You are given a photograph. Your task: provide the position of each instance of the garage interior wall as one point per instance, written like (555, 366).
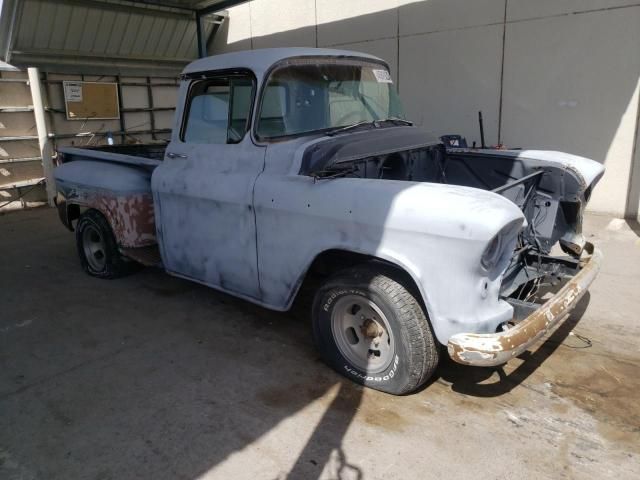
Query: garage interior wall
(557, 75)
(147, 108)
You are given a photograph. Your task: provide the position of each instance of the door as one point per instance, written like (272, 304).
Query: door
(203, 190)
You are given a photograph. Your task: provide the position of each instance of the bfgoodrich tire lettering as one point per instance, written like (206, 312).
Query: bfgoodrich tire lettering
(387, 304)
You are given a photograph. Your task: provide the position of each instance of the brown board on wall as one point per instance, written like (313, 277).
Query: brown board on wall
(91, 100)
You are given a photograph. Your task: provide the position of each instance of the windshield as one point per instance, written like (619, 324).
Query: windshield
(313, 95)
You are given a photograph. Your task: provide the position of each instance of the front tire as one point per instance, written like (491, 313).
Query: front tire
(369, 327)
(97, 247)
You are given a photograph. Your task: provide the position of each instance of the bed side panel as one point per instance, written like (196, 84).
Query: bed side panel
(121, 193)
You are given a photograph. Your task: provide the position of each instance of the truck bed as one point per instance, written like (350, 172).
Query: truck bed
(115, 180)
(141, 155)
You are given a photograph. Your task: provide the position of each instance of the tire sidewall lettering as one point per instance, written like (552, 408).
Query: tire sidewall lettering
(374, 378)
(338, 293)
(352, 372)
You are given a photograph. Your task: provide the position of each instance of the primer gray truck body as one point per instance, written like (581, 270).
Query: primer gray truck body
(252, 218)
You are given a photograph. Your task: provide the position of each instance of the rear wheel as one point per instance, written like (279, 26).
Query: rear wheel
(97, 248)
(369, 327)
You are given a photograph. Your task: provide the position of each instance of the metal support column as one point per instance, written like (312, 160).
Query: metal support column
(202, 42)
(123, 127)
(152, 115)
(43, 137)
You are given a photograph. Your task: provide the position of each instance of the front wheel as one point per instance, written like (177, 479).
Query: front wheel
(369, 327)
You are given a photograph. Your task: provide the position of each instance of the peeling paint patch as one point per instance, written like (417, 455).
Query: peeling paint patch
(131, 216)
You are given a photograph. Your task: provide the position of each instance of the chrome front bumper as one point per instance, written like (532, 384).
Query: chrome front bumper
(491, 349)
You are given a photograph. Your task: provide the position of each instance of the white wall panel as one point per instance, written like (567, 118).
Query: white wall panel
(274, 26)
(235, 33)
(633, 206)
(447, 77)
(571, 84)
(439, 15)
(341, 22)
(528, 9)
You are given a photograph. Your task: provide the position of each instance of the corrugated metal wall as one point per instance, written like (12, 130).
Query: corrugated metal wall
(147, 107)
(20, 164)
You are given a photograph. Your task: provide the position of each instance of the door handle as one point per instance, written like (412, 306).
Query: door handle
(176, 155)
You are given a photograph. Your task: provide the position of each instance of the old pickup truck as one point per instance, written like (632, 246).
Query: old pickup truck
(291, 164)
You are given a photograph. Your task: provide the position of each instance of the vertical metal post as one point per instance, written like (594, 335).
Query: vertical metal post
(43, 137)
(50, 117)
(152, 118)
(123, 129)
(202, 42)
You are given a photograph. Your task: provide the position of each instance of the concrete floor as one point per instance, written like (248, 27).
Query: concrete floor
(155, 377)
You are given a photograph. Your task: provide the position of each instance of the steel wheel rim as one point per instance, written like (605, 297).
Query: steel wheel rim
(362, 334)
(94, 248)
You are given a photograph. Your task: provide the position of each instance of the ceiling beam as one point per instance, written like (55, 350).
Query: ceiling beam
(222, 5)
(79, 57)
(131, 6)
(9, 14)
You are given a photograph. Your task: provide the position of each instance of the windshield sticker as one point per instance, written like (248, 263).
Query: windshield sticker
(382, 76)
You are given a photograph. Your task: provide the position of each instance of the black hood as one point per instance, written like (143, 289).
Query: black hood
(351, 146)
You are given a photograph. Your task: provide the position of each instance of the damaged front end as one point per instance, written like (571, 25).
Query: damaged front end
(551, 264)
(538, 316)
(540, 283)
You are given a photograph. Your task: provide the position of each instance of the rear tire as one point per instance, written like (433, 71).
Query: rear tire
(97, 247)
(369, 327)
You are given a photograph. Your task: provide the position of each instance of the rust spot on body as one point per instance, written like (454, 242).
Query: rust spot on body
(131, 216)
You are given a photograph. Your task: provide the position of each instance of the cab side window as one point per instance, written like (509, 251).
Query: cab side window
(218, 110)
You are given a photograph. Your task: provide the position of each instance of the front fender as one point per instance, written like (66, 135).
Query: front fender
(435, 233)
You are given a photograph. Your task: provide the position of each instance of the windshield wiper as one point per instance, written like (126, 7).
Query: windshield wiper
(335, 172)
(374, 123)
(399, 120)
(350, 127)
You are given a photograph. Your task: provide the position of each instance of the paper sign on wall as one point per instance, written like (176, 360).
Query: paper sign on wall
(91, 100)
(72, 92)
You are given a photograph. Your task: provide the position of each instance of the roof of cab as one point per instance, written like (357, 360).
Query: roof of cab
(261, 60)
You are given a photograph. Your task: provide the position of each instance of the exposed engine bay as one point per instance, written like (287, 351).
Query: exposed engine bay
(550, 191)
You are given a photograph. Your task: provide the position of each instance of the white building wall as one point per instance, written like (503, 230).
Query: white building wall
(556, 74)
(571, 83)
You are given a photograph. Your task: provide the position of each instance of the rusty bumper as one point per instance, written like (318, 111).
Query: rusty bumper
(491, 349)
